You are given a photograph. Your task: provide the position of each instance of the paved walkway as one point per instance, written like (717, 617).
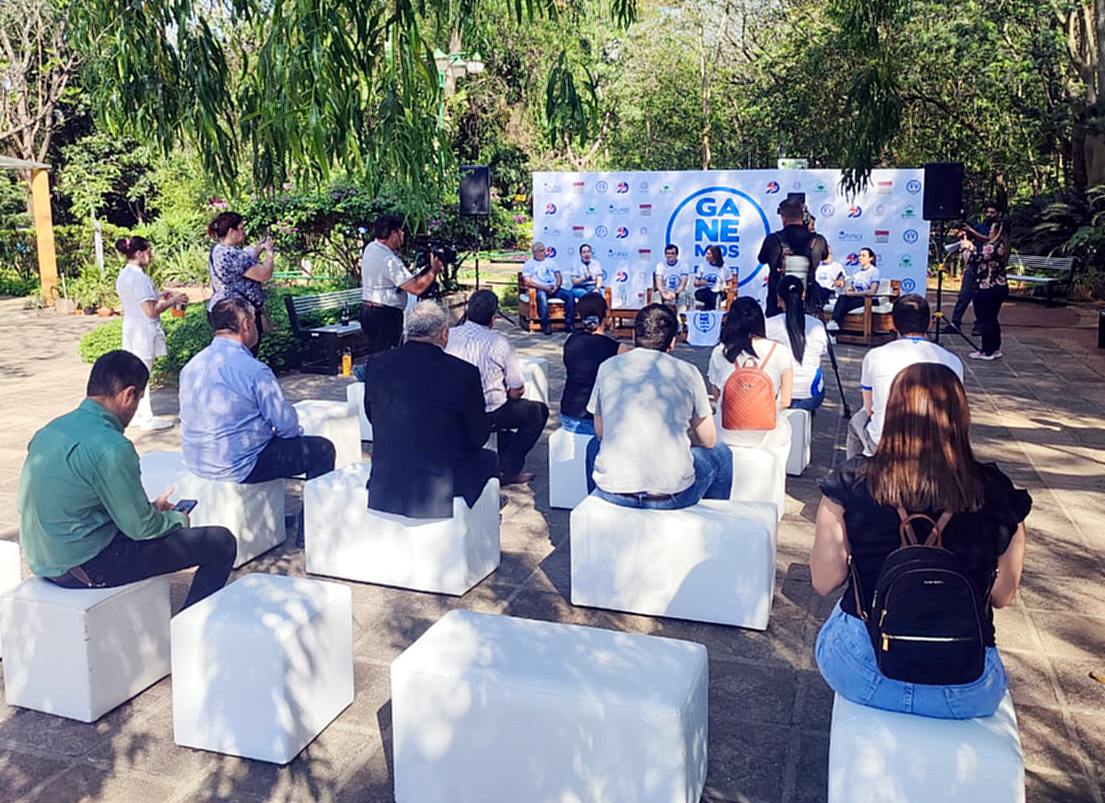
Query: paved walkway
(1040, 413)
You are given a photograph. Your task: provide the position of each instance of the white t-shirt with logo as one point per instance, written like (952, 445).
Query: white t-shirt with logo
(829, 272)
(671, 275)
(864, 280)
(542, 271)
(882, 364)
(714, 276)
(579, 270)
(807, 373)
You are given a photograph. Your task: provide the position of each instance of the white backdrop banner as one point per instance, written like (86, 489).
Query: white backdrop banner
(627, 218)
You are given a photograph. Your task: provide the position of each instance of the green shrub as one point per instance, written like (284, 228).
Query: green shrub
(106, 337)
(17, 283)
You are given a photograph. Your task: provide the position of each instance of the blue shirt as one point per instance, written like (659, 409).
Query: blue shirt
(231, 406)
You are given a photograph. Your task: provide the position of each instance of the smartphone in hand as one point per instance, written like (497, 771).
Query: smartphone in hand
(185, 506)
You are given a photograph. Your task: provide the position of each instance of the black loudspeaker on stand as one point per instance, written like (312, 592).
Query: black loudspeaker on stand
(475, 200)
(943, 201)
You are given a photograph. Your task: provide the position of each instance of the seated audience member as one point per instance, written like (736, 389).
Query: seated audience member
(880, 366)
(584, 352)
(670, 279)
(864, 283)
(744, 342)
(657, 446)
(712, 279)
(84, 519)
(235, 424)
(587, 276)
(808, 341)
(924, 464)
(542, 276)
(829, 277)
(518, 422)
(429, 425)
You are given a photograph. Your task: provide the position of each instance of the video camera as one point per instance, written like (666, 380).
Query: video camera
(447, 253)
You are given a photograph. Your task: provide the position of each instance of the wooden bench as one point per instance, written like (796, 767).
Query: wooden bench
(873, 324)
(528, 319)
(326, 344)
(1050, 271)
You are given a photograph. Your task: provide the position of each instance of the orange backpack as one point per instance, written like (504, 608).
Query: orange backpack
(748, 401)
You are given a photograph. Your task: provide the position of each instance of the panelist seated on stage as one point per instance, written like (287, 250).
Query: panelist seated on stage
(541, 275)
(429, 424)
(235, 424)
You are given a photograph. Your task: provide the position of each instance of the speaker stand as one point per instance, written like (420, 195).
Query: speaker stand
(942, 268)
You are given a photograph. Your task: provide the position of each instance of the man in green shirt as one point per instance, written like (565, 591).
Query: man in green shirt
(85, 521)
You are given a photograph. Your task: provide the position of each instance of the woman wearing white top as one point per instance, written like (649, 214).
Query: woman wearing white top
(142, 308)
(864, 283)
(808, 342)
(744, 336)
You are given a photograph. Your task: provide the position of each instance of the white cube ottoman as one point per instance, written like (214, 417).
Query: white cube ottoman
(567, 468)
(535, 370)
(336, 422)
(760, 472)
(490, 708)
(801, 438)
(882, 757)
(11, 571)
(712, 562)
(253, 513)
(78, 653)
(354, 397)
(262, 666)
(445, 556)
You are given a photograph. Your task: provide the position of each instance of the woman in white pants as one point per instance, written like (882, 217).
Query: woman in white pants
(142, 308)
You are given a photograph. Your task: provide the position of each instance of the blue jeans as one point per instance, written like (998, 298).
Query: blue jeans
(579, 291)
(713, 479)
(565, 295)
(814, 401)
(578, 426)
(847, 662)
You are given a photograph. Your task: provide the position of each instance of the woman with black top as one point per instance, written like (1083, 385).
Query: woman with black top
(989, 261)
(584, 352)
(924, 464)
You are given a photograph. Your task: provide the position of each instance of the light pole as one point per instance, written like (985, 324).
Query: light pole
(450, 67)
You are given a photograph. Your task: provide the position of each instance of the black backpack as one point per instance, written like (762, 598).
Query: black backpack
(924, 618)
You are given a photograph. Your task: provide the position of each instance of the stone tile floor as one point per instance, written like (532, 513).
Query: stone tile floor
(1040, 413)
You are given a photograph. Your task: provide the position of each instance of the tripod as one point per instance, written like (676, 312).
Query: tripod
(839, 384)
(938, 316)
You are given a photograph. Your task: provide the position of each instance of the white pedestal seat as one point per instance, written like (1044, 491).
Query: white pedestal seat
(567, 468)
(11, 571)
(535, 370)
(354, 397)
(336, 422)
(760, 471)
(801, 437)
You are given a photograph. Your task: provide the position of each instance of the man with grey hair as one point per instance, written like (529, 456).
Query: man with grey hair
(429, 424)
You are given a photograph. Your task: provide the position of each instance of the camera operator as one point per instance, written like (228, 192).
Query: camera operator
(385, 282)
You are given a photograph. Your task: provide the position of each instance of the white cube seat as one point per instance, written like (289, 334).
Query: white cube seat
(801, 437)
(80, 652)
(535, 370)
(495, 709)
(262, 666)
(567, 468)
(523, 298)
(253, 513)
(11, 571)
(336, 422)
(354, 397)
(445, 556)
(880, 756)
(711, 562)
(760, 470)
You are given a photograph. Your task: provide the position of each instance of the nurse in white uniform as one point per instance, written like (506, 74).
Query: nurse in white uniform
(142, 308)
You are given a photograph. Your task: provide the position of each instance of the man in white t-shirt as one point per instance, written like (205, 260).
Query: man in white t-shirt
(541, 275)
(656, 444)
(882, 365)
(587, 276)
(830, 276)
(671, 277)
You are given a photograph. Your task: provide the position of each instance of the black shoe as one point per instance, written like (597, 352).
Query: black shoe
(952, 326)
(546, 330)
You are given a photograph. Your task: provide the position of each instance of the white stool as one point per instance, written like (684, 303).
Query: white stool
(760, 472)
(490, 708)
(80, 652)
(883, 757)
(444, 556)
(336, 422)
(567, 468)
(354, 397)
(261, 667)
(712, 562)
(801, 436)
(11, 570)
(253, 513)
(535, 370)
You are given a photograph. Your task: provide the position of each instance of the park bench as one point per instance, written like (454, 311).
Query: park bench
(1053, 272)
(326, 344)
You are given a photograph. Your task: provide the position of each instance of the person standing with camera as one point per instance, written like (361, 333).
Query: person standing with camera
(385, 282)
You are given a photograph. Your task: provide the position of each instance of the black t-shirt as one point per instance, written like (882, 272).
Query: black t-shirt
(976, 538)
(583, 354)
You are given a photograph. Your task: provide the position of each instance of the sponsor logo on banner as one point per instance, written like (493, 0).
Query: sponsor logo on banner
(849, 237)
(851, 260)
(880, 210)
(601, 186)
(884, 187)
(577, 231)
(821, 187)
(827, 210)
(591, 210)
(909, 213)
(910, 236)
(614, 253)
(644, 254)
(913, 186)
(882, 235)
(601, 231)
(643, 231)
(548, 186)
(622, 188)
(645, 210)
(621, 233)
(642, 187)
(571, 208)
(550, 251)
(579, 185)
(908, 285)
(550, 231)
(796, 185)
(621, 277)
(665, 189)
(550, 209)
(618, 210)
(855, 212)
(906, 261)
(772, 187)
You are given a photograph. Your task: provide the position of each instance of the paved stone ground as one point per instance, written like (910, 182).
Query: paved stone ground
(1040, 413)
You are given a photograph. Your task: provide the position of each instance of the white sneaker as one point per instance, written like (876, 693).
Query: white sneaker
(978, 355)
(832, 326)
(155, 424)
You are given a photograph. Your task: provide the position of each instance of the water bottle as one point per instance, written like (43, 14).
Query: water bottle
(345, 315)
(346, 362)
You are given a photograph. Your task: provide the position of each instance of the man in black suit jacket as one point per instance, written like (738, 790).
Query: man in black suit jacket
(428, 422)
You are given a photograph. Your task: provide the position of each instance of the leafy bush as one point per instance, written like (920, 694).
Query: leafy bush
(17, 283)
(106, 337)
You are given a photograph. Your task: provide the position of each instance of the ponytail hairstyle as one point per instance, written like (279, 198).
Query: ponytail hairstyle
(745, 321)
(790, 291)
(130, 247)
(591, 310)
(222, 223)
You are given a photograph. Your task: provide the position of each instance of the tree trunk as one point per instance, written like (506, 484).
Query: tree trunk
(705, 67)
